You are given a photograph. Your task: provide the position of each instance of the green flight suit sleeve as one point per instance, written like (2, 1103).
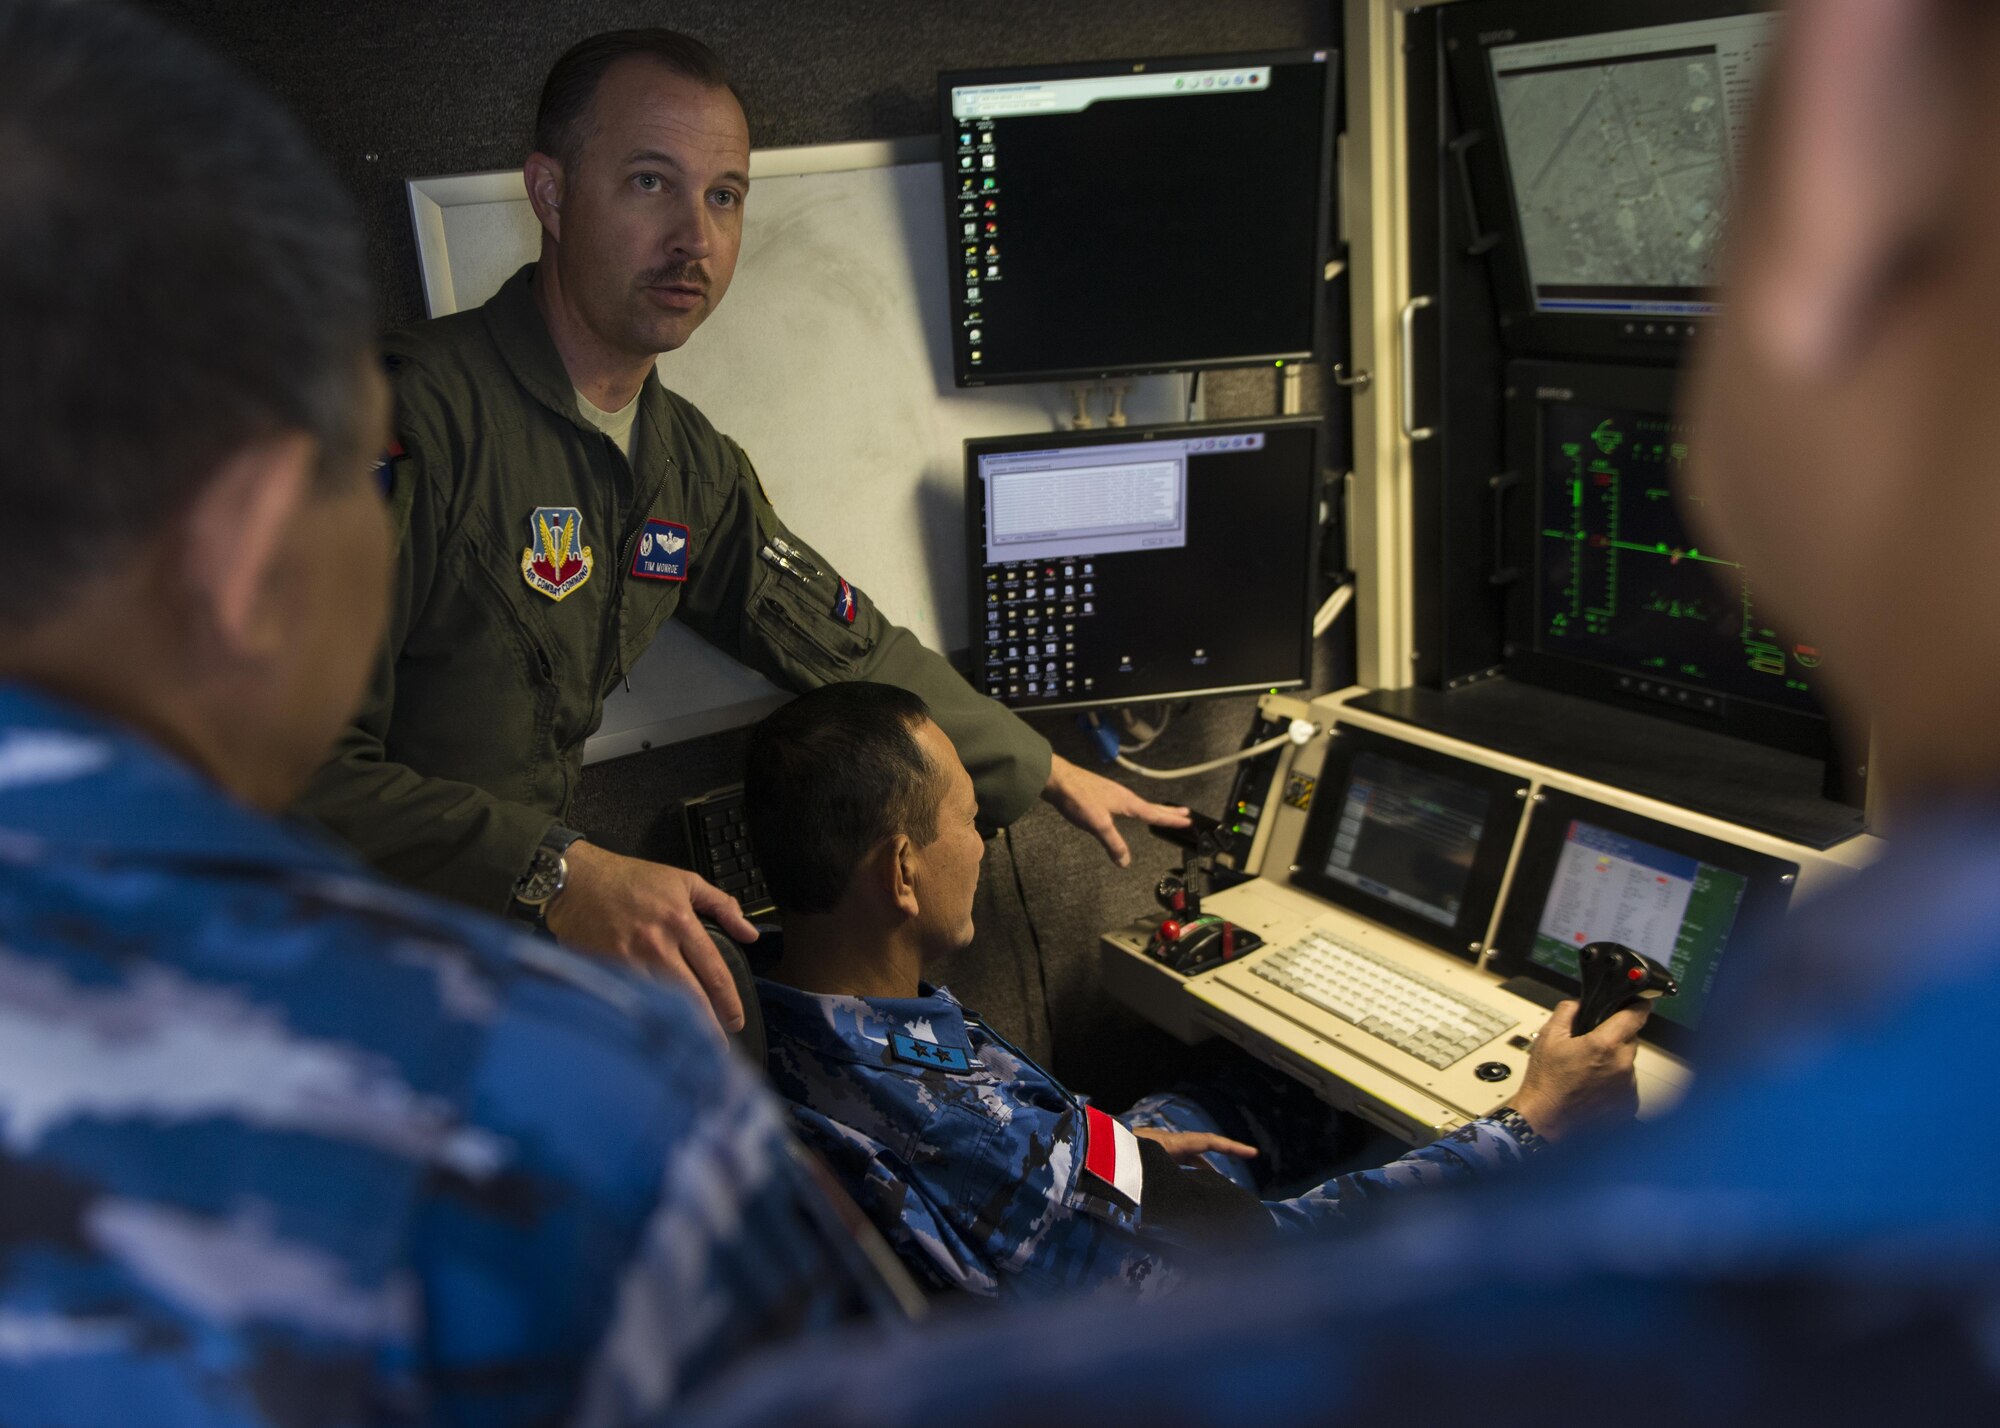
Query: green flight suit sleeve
(450, 838)
(792, 629)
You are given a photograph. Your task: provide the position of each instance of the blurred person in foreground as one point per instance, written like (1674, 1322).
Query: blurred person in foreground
(280, 1144)
(1815, 1236)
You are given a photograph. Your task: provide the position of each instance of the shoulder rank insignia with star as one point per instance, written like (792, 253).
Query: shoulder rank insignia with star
(928, 1054)
(556, 562)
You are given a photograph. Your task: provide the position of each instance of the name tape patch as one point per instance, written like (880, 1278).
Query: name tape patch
(664, 547)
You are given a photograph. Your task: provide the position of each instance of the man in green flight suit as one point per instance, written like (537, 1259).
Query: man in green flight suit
(557, 505)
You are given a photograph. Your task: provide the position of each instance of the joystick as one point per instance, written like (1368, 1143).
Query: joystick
(1614, 976)
(1190, 941)
(1200, 943)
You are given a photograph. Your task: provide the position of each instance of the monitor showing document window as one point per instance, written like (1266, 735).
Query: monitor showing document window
(1143, 562)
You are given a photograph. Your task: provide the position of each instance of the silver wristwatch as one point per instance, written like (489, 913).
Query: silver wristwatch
(1516, 1125)
(547, 875)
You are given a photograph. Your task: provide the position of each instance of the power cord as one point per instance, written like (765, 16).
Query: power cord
(1330, 610)
(1300, 733)
(1034, 934)
(1145, 732)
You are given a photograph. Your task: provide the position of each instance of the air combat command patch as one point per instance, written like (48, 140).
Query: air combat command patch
(556, 562)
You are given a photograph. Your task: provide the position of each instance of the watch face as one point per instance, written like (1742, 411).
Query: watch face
(544, 879)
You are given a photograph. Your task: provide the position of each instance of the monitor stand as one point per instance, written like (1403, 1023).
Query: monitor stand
(1774, 792)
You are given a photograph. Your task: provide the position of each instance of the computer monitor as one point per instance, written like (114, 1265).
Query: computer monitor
(1142, 563)
(1619, 600)
(1589, 872)
(1605, 160)
(1139, 215)
(1410, 838)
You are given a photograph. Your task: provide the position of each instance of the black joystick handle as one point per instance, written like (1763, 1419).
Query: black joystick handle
(1614, 976)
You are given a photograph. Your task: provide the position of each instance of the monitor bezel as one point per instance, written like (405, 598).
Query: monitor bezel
(1530, 386)
(1470, 31)
(1464, 938)
(975, 545)
(1767, 893)
(962, 374)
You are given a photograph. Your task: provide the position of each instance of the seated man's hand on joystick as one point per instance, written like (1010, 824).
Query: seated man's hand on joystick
(1614, 976)
(1579, 1079)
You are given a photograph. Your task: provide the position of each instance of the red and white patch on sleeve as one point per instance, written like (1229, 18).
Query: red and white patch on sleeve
(1111, 1153)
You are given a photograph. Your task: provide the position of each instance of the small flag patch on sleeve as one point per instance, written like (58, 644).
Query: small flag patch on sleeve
(1111, 1154)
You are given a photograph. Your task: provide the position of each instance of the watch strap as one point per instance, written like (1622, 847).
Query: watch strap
(1516, 1125)
(553, 847)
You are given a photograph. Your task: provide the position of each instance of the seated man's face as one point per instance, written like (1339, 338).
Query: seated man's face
(947, 868)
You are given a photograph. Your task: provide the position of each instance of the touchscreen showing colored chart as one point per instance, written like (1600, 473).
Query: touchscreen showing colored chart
(1677, 910)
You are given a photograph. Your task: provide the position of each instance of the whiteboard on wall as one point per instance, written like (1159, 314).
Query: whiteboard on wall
(829, 362)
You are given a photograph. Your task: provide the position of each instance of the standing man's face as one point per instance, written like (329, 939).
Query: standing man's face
(649, 215)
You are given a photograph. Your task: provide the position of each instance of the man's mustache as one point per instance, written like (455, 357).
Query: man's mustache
(679, 275)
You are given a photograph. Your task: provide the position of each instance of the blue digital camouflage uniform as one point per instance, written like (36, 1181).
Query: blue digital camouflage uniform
(976, 1175)
(280, 1145)
(1812, 1238)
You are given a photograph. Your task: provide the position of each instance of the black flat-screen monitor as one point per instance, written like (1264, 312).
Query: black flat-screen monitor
(1589, 872)
(1143, 562)
(1137, 216)
(1618, 600)
(1602, 148)
(1410, 838)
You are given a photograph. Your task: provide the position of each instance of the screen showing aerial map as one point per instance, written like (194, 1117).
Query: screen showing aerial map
(1622, 150)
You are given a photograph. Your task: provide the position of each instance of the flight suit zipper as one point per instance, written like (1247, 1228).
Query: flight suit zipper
(628, 549)
(502, 596)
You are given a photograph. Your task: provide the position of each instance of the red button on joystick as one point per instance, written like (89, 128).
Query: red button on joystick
(1635, 974)
(1170, 931)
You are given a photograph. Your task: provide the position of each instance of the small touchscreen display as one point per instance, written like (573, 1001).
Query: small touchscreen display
(1676, 909)
(1408, 837)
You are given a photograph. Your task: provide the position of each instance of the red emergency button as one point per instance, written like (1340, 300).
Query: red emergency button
(1170, 931)
(1635, 974)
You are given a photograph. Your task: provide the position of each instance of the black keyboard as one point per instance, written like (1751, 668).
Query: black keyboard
(719, 848)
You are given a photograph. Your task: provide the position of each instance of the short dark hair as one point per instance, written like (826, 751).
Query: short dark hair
(180, 276)
(830, 776)
(561, 117)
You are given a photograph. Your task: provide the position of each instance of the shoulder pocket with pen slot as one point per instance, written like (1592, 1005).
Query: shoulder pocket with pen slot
(799, 616)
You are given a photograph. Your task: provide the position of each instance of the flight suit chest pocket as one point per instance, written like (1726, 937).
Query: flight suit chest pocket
(816, 619)
(662, 556)
(510, 624)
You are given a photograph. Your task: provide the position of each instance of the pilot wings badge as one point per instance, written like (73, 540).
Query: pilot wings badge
(556, 562)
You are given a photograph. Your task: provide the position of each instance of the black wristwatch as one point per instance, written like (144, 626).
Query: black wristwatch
(547, 875)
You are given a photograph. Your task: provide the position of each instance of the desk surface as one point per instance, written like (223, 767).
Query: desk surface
(1323, 1054)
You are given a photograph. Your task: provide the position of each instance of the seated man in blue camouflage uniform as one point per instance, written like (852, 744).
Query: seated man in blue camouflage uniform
(280, 1144)
(986, 1173)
